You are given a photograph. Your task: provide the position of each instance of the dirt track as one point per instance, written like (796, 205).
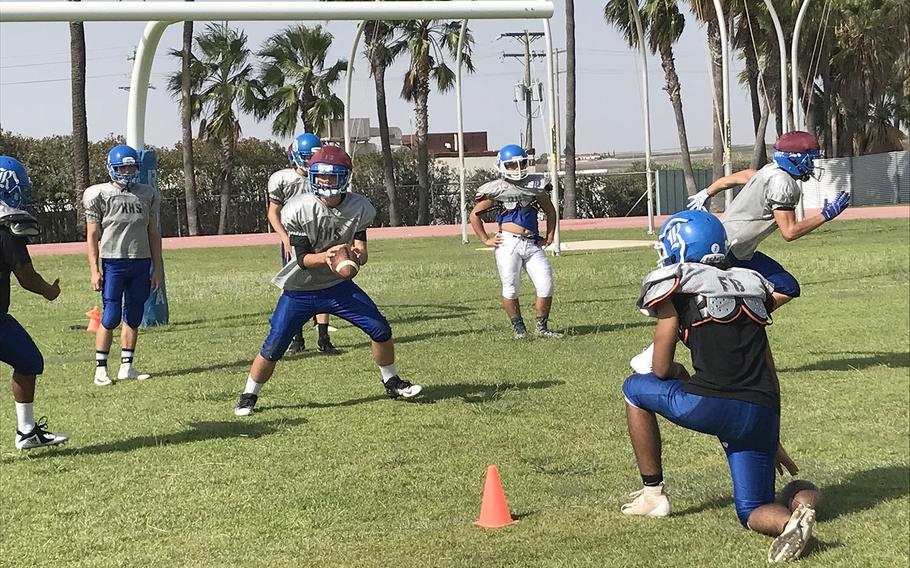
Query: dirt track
(218, 241)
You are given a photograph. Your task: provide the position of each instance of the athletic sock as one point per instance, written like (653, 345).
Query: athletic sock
(126, 356)
(652, 480)
(388, 371)
(25, 417)
(252, 387)
(101, 358)
(323, 330)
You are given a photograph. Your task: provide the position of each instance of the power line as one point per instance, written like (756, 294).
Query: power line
(59, 80)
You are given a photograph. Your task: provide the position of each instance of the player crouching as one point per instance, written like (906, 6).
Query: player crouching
(319, 225)
(720, 314)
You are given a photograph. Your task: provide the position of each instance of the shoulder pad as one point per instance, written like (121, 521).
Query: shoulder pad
(19, 222)
(657, 286)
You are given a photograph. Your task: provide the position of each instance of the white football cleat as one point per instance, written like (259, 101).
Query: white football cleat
(130, 373)
(648, 502)
(643, 362)
(101, 378)
(791, 543)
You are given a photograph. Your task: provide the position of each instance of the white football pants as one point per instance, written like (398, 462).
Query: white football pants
(516, 252)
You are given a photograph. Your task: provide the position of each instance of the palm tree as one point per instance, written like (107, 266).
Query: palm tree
(295, 81)
(80, 122)
(225, 86)
(427, 42)
(186, 121)
(376, 35)
(663, 24)
(704, 12)
(569, 208)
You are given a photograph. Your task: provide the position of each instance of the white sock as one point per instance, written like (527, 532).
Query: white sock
(388, 371)
(126, 357)
(25, 417)
(252, 387)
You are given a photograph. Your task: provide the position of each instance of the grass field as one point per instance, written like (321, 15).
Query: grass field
(329, 472)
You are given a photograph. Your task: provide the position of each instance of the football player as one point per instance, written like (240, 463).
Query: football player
(122, 231)
(16, 346)
(283, 185)
(767, 201)
(720, 314)
(319, 223)
(517, 197)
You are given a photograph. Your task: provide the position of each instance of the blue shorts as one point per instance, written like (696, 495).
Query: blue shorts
(17, 348)
(127, 285)
(748, 432)
(345, 300)
(784, 282)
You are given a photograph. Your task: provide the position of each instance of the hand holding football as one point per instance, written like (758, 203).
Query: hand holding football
(343, 263)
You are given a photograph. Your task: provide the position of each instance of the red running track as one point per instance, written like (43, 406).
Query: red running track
(219, 241)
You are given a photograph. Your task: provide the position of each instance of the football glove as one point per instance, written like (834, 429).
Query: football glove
(698, 200)
(832, 209)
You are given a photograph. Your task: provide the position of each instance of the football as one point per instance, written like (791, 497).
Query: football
(343, 263)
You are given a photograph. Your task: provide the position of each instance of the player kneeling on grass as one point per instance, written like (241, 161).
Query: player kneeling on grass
(122, 230)
(321, 225)
(16, 346)
(516, 198)
(720, 314)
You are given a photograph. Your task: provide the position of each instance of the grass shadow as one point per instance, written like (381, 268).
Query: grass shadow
(238, 365)
(605, 328)
(720, 502)
(895, 360)
(479, 393)
(197, 432)
(864, 490)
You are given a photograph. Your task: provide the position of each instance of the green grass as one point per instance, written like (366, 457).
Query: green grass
(330, 473)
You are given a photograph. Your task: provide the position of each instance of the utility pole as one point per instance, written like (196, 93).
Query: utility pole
(526, 38)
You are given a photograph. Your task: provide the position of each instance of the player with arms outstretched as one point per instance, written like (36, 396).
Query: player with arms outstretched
(767, 201)
(283, 185)
(17, 349)
(122, 231)
(517, 197)
(720, 314)
(319, 224)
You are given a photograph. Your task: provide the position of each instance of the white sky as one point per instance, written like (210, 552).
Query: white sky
(35, 88)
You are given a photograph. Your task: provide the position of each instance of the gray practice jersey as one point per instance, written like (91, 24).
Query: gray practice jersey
(750, 218)
(124, 217)
(285, 184)
(516, 199)
(307, 216)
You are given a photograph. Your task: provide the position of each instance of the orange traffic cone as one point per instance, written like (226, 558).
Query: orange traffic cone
(494, 511)
(94, 319)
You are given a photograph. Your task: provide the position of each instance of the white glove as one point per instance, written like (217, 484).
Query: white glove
(698, 200)
(642, 362)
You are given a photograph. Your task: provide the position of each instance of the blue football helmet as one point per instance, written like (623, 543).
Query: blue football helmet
(120, 157)
(15, 186)
(302, 149)
(692, 236)
(795, 153)
(332, 166)
(512, 162)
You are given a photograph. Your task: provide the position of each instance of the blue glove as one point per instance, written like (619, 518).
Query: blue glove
(832, 209)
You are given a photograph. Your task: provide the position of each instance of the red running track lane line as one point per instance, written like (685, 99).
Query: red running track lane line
(254, 239)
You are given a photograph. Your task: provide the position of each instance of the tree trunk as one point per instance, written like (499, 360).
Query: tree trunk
(227, 178)
(674, 91)
(186, 118)
(80, 123)
(759, 109)
(717, 80)
(759, 150)
(388, 164)
(569, 207)
(422, 120)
